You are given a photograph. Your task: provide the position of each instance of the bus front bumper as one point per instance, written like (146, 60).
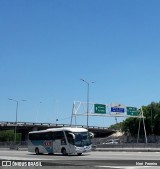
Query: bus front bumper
(83, 149)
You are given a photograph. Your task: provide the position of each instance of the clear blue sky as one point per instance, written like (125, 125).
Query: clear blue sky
(47, 46)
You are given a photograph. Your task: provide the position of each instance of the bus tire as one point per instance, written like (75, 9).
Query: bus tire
(64, 152)
(37, 151)
(79, 154)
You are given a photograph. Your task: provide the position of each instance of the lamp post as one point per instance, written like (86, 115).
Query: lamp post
(15, 131)
(88, 85)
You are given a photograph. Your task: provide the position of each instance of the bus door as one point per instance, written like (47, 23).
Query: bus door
(70, 138)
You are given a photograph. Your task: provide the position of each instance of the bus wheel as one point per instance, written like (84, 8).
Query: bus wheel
(37, 151)
(79, 154)
(64, 152)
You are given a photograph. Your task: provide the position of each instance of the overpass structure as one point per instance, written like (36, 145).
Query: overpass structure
(25, 127)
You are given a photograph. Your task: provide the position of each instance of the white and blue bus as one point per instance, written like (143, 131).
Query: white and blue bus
(66, 140)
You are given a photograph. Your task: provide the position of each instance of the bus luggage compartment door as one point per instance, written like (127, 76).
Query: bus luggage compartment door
(57, 146)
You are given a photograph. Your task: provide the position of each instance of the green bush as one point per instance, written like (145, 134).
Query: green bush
(8, 135)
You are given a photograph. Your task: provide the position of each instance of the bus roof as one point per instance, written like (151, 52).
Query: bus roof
(71, 129)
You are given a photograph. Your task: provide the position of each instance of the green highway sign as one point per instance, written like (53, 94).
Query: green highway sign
(100, 108)
(132, 111)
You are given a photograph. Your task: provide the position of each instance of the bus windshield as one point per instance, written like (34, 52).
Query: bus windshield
(82, 139)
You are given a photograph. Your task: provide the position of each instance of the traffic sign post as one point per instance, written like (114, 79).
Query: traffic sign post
(132, 111)
(113, 110)
(100, 108)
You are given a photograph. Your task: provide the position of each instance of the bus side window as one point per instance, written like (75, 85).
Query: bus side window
(48, 136)
(59, 135)
(53, 136)
(41, 136)
(31, 137)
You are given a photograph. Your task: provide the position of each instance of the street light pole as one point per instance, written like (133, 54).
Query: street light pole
(88, 85)
(15, 131)
(87, 102)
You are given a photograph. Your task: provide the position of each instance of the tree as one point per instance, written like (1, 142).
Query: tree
(152, 121)
(8, 135)
(117, 126)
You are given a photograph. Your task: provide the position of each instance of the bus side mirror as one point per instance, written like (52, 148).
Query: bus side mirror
(91, 135)
(73, 136)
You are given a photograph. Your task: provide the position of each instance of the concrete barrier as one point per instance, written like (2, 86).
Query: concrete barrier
(128, 149)
(129, 145)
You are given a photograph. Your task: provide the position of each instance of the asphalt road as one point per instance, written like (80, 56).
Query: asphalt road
(119, 160)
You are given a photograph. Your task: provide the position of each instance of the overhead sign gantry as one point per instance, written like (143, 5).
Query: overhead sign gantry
(106, 110)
